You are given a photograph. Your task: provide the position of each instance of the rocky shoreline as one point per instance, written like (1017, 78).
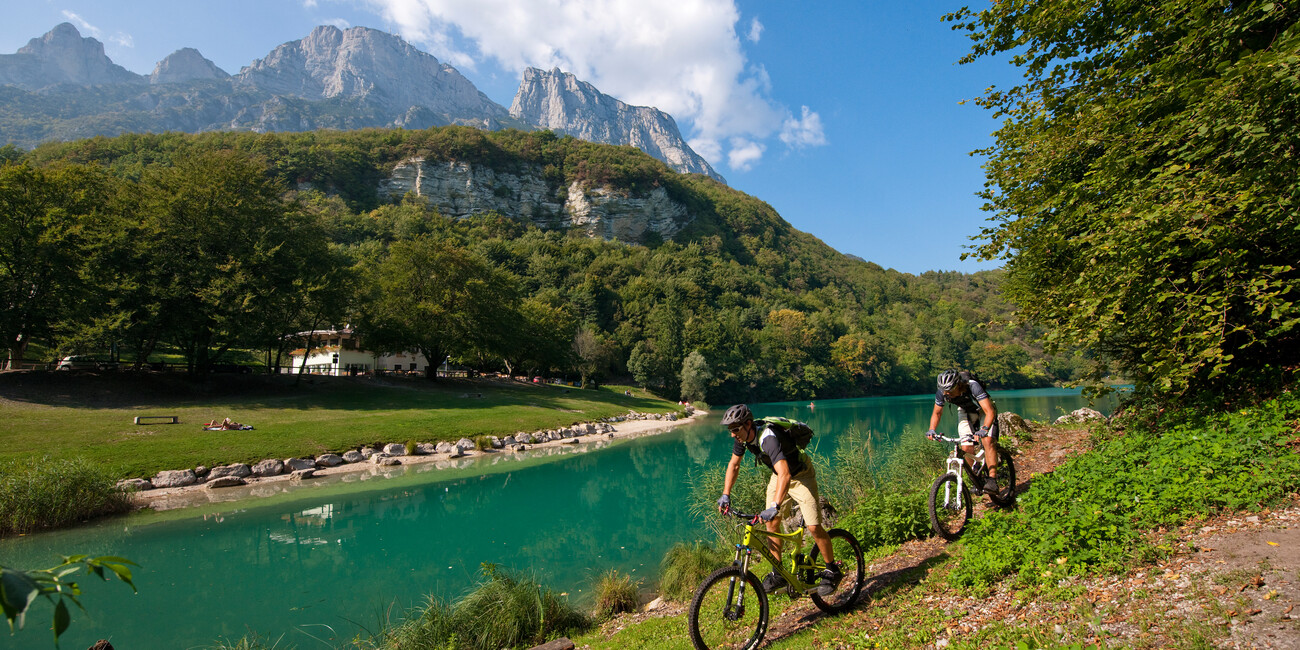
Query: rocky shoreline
(170, 489)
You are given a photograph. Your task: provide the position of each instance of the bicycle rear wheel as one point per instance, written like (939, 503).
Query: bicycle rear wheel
(849, 554)
(729, 610)
(1006, 478)
(950, 507)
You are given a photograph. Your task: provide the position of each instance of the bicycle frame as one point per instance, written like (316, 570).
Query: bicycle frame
(755, 539)
(956, 462)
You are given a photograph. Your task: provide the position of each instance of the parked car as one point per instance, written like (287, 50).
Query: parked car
(78, 362)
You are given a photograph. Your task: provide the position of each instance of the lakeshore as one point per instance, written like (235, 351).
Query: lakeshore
(172, 498)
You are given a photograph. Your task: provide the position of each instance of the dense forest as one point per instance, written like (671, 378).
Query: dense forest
(214, 243)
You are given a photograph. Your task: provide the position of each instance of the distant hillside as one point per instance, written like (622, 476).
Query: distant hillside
(774, 312)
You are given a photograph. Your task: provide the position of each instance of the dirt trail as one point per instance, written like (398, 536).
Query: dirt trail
(1233, 581)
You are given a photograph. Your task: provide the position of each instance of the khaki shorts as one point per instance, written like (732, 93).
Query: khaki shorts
(968, 423)
(803, 491)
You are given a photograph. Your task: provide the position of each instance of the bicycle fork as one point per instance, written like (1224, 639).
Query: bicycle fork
(954, 468)
(735, 607)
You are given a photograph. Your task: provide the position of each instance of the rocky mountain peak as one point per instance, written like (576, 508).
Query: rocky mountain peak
(559, 101)
(367, 64)
(185, 64)
(62, 56)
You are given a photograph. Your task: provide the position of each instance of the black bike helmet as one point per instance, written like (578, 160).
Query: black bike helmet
(738, 414)
(947, 379)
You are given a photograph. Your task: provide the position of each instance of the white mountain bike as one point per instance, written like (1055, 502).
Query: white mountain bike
(950, 494)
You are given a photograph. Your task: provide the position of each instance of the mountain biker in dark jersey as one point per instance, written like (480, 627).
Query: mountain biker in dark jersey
(977, 418)
(793, 481)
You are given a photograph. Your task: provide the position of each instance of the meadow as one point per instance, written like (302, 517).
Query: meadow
(91, 415)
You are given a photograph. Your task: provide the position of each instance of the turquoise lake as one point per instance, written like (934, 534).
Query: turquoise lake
(323, 562)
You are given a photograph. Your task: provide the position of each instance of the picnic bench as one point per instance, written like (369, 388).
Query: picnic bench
(157, 419)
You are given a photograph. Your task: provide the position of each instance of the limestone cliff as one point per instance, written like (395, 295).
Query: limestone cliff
(559, 101)
(366, 65)
(185, 64)
(459, 189)
(62, 56)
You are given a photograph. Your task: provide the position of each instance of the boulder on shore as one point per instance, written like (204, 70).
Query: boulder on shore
(224, 481)
(1078, 416)
(268, 467)
(174, 478)
(239, 470)
(134, 485)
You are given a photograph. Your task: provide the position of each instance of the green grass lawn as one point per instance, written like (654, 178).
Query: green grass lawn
(90, 415)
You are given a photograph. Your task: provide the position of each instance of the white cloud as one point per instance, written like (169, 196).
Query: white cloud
(81, 23)
(681, 56)
(338, 22)
(709, 148)
(308, 4)
(744, 153)
(123, 39)
(803, 132)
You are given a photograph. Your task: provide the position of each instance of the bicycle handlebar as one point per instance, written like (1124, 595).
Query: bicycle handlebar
(732, 512)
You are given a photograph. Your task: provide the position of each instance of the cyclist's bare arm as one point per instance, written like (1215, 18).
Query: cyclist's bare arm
(935, 416)
(782, 481)
(733, 470)
(990, 412)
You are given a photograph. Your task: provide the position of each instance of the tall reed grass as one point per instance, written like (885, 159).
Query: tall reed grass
(504, 611)
(51, 493)
(686, 565)
(616, 593)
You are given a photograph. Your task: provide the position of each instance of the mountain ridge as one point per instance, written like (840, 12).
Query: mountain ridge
(62, 86)
(559, 101)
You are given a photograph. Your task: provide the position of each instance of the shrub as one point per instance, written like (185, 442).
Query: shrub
(511, 612)
(616, 593)
(884, 486)
(686, 565)
(433, 628)
(504, 611)
(411, 447)
(889, 517)
(483, 443)
(1090, 514)
(52, 493)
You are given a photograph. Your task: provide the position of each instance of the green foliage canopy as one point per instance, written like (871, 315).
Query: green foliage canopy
(774, 313)
(1144, 183)
(436, 297)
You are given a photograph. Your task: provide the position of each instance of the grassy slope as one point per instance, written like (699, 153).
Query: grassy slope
(67, 415)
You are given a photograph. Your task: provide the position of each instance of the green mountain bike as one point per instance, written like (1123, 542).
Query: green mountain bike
(729, 609)
(950, 495)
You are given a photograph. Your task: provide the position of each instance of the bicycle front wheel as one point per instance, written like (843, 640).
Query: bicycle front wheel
(1006, 478)
(950, 507)
(849, 554)
(729, 610)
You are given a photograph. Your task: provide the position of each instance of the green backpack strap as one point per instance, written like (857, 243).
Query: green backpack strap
(800, 433)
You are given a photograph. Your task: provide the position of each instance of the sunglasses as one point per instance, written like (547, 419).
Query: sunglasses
(736, 429)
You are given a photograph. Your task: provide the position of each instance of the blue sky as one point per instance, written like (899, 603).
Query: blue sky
(845, 116)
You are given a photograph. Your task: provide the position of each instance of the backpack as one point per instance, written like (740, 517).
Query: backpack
(971, 375)
(798, 432)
